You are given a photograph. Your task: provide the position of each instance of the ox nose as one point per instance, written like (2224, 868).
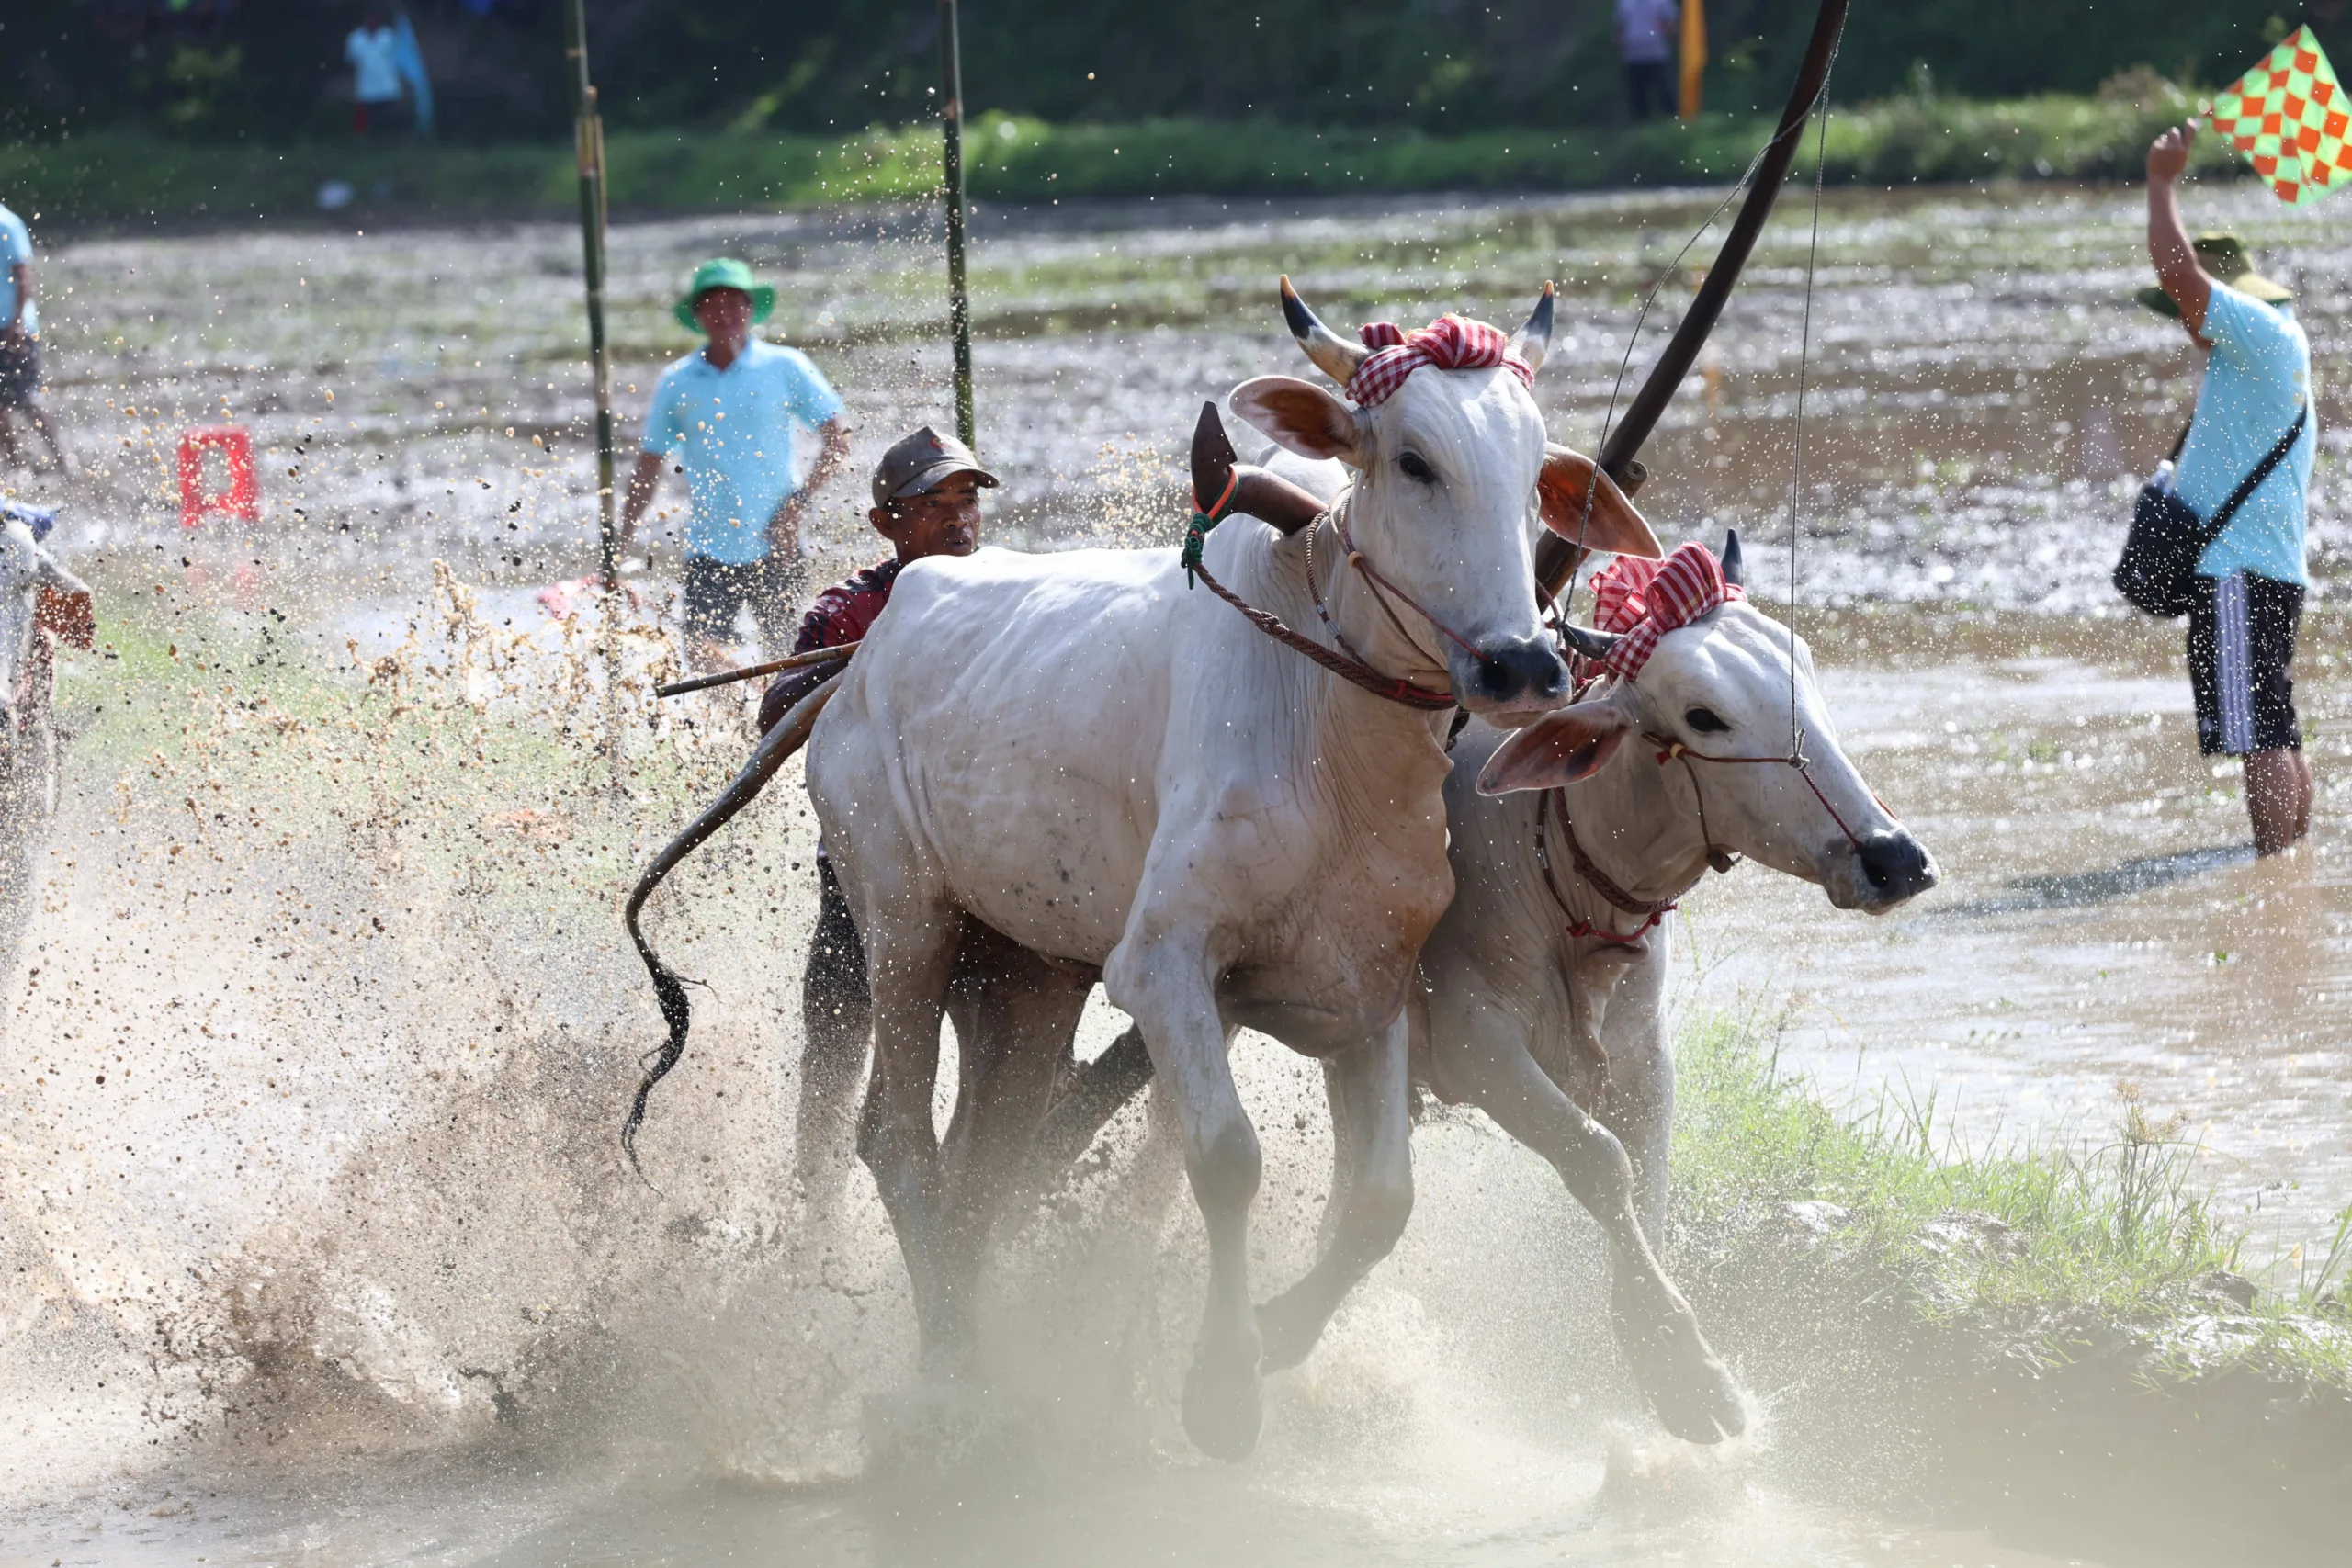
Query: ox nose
(1521, 671)
(1896, 866)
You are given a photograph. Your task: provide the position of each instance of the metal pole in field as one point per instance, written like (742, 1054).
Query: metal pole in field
(959, 303)
(588, 144)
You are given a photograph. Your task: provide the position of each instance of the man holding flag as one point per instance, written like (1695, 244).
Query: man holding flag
(2256, 397)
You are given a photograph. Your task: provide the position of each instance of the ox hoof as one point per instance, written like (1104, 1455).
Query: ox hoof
(1685, 1381)
(941, 1427)
(1221, 1410)
(1289, 1330)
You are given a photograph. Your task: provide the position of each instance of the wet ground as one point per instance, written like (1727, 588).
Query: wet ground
(1975, 395)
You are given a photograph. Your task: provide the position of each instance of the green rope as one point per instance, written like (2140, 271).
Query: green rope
(1195, 536)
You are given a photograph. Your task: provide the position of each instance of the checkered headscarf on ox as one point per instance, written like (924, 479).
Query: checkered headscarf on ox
(1643, 600)
(1450, 342)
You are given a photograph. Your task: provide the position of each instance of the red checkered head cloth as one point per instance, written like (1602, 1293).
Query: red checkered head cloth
(1450, 342)
(1643, 600)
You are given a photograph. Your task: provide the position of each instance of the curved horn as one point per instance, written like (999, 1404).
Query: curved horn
(1533, 341)
(1333, 355)
(1593, 645)
(1734, 572)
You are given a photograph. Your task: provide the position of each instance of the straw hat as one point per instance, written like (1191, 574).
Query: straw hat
(2224, 260)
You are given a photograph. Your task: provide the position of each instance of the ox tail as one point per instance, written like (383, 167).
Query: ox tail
(774, 749)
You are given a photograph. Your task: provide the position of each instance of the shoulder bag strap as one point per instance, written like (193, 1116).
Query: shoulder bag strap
(2253, 481)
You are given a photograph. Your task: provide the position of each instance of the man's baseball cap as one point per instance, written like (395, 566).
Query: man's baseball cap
(2224, 260)
(920, 462)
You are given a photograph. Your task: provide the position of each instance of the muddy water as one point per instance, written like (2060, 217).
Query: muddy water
(357, 1038)
(2103, 933)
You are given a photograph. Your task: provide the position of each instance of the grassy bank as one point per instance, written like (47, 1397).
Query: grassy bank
(2055, 1341)
(2104, 1220)
(120, 176)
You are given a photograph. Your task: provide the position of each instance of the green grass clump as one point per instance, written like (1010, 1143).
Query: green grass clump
(2111, 1224)
(126, 174)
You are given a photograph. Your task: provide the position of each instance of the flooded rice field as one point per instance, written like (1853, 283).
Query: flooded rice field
(315, 1246)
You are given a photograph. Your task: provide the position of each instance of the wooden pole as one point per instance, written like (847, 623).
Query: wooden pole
(588, 147)
(588, 144)
(1555, 557)
(1694, 58)
(951, 118)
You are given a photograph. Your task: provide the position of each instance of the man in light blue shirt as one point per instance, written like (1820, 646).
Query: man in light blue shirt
(2250, 580)
(20, 346)
(373, 52)
(729, 417)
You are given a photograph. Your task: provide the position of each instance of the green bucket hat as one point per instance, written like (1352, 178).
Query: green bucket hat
(2224, 260)
(723, 272)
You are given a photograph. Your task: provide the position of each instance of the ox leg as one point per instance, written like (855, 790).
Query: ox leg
(1372, 1191)
(910, 955)
(1014, 1016)
(1171, 994)
(836, 1024)
(1686, 1383)
(1639, 1105)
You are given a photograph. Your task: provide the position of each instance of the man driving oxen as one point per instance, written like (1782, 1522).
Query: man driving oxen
(926, 502)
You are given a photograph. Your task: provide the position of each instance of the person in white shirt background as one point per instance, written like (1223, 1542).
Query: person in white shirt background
(1645, 36)
(373, 52)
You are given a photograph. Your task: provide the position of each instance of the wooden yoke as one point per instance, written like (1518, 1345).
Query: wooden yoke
(1555, 558)
(1269, 498)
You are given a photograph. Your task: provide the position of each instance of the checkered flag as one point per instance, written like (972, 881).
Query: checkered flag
(2288, 117)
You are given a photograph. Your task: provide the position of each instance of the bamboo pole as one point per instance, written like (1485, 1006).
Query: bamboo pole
(838, 654)
(588, 147)
(951, 118)
(588, 144)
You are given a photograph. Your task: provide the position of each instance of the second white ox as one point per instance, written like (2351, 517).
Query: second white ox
(1077, 755)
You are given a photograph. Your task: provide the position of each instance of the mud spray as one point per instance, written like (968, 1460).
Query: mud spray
(316, 1243)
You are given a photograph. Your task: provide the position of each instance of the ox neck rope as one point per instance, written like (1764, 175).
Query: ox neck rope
(1649, 912)
(1342, 662)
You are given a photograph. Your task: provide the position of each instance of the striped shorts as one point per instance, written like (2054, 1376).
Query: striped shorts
(2241, 657)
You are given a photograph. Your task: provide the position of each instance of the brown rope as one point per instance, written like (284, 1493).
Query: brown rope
(1394, 689)
(1649, 910)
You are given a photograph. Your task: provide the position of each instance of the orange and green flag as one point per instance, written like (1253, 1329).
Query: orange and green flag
(2288, 117)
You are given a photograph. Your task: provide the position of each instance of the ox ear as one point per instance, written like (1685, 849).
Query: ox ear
(1615, 526)
(1572, 743)
(1300, 416)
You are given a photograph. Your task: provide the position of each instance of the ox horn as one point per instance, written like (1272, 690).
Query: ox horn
(1593, 645)
(1533, 341)
(1333, 355)
(1734, 572)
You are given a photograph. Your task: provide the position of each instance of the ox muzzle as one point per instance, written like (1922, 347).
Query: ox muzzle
(1523, 676)
(1879, 870)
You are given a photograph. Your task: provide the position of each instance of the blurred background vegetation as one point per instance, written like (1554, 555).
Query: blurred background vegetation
(271, 70)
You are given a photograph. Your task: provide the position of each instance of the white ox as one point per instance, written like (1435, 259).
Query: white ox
(1538, 1023)
(1542, 997)
(1081, 764)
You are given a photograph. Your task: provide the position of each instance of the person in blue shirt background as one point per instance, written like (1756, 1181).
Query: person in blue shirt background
(2251, 579)
(373, 52)
(20, 346)
(728, 416)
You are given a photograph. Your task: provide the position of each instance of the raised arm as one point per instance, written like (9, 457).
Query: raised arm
(2169, 247)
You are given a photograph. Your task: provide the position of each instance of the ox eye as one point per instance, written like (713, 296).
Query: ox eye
(1415, 468)
(1705, 721)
